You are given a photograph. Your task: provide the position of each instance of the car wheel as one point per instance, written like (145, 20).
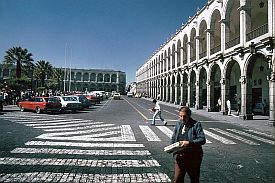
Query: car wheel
(38, 110)
(21, 108)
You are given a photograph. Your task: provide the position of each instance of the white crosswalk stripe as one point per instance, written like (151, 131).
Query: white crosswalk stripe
(104, 152)
(219, 138)
(253, 136)
(235, 136)
(166, 131)
(149, 134)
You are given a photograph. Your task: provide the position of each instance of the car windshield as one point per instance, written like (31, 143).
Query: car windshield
(69, 98)
(51, 100)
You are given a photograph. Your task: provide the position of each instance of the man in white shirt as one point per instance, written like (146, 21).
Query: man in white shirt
(157, 112)
(228, 103)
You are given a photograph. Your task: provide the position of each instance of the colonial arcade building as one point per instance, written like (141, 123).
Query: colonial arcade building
(225, 50)
(95, 79)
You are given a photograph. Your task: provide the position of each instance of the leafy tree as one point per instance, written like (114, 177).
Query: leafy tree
(58, 75)
(18, 56)
(42, 70)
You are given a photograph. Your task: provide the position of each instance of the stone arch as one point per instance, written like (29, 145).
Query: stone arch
(232, 83)
(184, 49)
(202, 88)
(179, 53)
(202, 39)
(86, 76)
(185, 88)
(257, 86)
(99, 77)
(173, 56)
(215, 32)
(256, 18)
(192, 88)
(107, 78)
(215, 86)
(232, 24)
(113, 78)
(193, 44)
(93, 77)
(78, 76)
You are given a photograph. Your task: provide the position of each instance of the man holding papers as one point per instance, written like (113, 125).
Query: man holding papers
(189, 136)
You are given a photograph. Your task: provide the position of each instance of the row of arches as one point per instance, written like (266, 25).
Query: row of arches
(231, 80)
(218, 27)
(93, 77)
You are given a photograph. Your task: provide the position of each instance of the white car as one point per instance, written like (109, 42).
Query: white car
(130, 94)
(69, 103)
(116, 96)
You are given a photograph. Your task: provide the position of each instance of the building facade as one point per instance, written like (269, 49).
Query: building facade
(84, 79)
(95, 80)
(225, 50)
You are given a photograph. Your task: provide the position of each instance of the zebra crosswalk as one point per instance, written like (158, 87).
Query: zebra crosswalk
(96, 142)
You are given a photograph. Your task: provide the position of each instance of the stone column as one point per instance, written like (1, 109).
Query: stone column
(188, 94)
(181, 89)
(208, 90)
(167, 85)
(171, 89)
(176, 89)
(222, 82)
(197, 95)
(243, 97)
(272, 98)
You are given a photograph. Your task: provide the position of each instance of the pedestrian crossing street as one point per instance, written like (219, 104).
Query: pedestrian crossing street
(93, 139)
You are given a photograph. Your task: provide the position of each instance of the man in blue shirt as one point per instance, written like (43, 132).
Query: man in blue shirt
(189, 133)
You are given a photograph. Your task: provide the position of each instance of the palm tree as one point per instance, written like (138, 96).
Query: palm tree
(42, 70)
(19, 56)
(58, 75)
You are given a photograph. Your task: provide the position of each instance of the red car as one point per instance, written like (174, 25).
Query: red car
(95, 99)
(40, 104)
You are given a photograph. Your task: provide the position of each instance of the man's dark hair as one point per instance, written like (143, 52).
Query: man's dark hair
(186, 110)
(154, 101)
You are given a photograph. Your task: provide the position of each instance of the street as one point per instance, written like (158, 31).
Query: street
(114, 142)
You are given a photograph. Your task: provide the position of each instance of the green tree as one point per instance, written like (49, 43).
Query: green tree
(58, 75)
(42, 70)
(20, 57)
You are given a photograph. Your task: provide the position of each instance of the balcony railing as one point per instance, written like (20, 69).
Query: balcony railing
(257, 32)
(215, 49)
(202, 54)
(232, 42)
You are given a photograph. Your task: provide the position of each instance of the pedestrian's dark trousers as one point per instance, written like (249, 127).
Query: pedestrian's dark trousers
(189, 164)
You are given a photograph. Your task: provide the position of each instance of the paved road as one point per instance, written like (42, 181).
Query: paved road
(113, 142)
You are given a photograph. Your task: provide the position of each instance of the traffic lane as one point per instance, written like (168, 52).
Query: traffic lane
(112, 111)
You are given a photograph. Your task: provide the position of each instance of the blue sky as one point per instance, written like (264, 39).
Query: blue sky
(100, 34)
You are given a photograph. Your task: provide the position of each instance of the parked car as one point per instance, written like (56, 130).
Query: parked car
(40, 104)
(85, 103)
(130, 94)
(116, 96)
(69, 103)
(93, 98)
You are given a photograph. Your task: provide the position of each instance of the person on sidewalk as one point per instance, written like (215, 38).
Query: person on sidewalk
(228, 103)
(189, 133)
(239, 107)
(157, 112)
(219, 104)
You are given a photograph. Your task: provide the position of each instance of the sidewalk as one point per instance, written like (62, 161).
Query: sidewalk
(258, 123)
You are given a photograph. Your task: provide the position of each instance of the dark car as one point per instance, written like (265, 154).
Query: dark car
(85, 103)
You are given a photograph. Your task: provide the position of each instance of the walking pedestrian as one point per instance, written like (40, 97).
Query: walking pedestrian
(157, 112)
(228, 103)
(239, 107)
(219, 104)
(189, 133)
(265, 106)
